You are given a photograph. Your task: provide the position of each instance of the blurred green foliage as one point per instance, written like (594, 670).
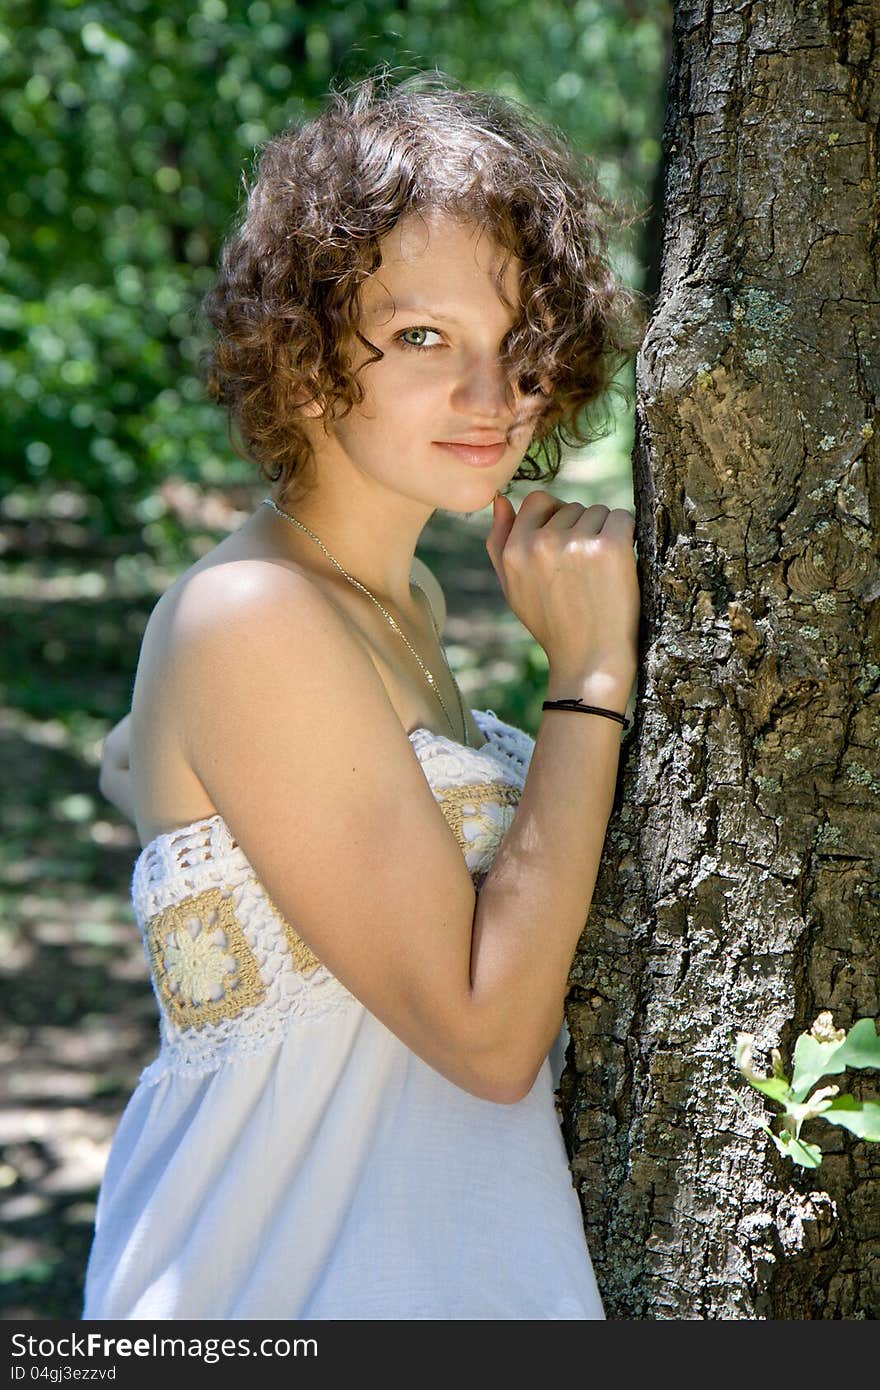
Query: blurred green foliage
(125, 131)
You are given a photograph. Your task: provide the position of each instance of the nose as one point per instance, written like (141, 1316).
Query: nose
(481, 393)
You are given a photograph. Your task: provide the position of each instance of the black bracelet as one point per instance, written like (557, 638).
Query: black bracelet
(578, 704)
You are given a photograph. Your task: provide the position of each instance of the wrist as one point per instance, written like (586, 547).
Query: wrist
(607, 690)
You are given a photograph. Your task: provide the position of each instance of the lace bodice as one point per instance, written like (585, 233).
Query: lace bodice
(227, 969)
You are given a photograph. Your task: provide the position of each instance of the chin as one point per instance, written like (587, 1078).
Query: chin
(475, 498)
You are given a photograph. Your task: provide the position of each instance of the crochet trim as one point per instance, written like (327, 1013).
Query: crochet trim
(202, 964)
(479, 813)
(304, 957)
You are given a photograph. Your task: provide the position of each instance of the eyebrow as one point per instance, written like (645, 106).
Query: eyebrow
(409, 306)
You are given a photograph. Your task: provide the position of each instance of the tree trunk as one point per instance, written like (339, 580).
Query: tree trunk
(740, 887)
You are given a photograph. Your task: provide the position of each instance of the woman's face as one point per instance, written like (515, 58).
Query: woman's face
(434, 311)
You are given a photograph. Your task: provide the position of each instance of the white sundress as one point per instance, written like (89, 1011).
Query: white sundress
(286, 1155)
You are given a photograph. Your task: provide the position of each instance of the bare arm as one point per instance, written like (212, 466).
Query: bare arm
(290, 730)
(569, 573)
(114, 778)
(536, 897)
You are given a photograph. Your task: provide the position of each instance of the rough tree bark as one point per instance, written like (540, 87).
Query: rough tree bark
(740, 886)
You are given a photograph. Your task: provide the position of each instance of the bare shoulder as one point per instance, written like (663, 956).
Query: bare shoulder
(203, 593)
(258, 593)
(268, 620)
(197, 632)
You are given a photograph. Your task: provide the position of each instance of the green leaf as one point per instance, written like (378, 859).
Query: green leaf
(803, 1154)
(861, 1047)
(814, 1059)
(776, 1087)
(861, 1117)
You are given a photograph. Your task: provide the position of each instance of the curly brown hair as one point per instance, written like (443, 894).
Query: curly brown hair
(285, 303)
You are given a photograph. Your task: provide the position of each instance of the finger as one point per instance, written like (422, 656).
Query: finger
(564, 517)
(620, 522)
(535, 510)
(593, 519)
(503, 517)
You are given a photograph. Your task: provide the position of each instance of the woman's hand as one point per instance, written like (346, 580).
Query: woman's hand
(569, 574)
(114, 778)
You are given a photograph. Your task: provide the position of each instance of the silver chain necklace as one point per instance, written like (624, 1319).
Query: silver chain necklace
(270, 501)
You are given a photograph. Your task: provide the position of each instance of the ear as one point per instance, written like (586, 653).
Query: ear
(313, 409)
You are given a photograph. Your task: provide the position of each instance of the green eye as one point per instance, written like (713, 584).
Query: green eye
(418, 347)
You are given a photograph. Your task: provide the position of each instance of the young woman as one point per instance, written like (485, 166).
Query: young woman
(360, 900)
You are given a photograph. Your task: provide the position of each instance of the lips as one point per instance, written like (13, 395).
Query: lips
(481, 442)
(475, 455)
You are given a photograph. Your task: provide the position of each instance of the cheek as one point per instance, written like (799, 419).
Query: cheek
(402, 398)
(407, 395)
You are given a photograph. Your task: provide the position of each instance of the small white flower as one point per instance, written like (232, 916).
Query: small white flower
(742, 1056)
(817, 1102)
(196, 964)
(824, 1031)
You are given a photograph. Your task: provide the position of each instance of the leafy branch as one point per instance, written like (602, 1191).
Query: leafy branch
(823, 1051)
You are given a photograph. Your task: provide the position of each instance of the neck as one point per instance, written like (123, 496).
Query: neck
(375, 546)
(377, 551)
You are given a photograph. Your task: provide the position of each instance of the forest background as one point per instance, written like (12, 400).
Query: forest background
(125, 131)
